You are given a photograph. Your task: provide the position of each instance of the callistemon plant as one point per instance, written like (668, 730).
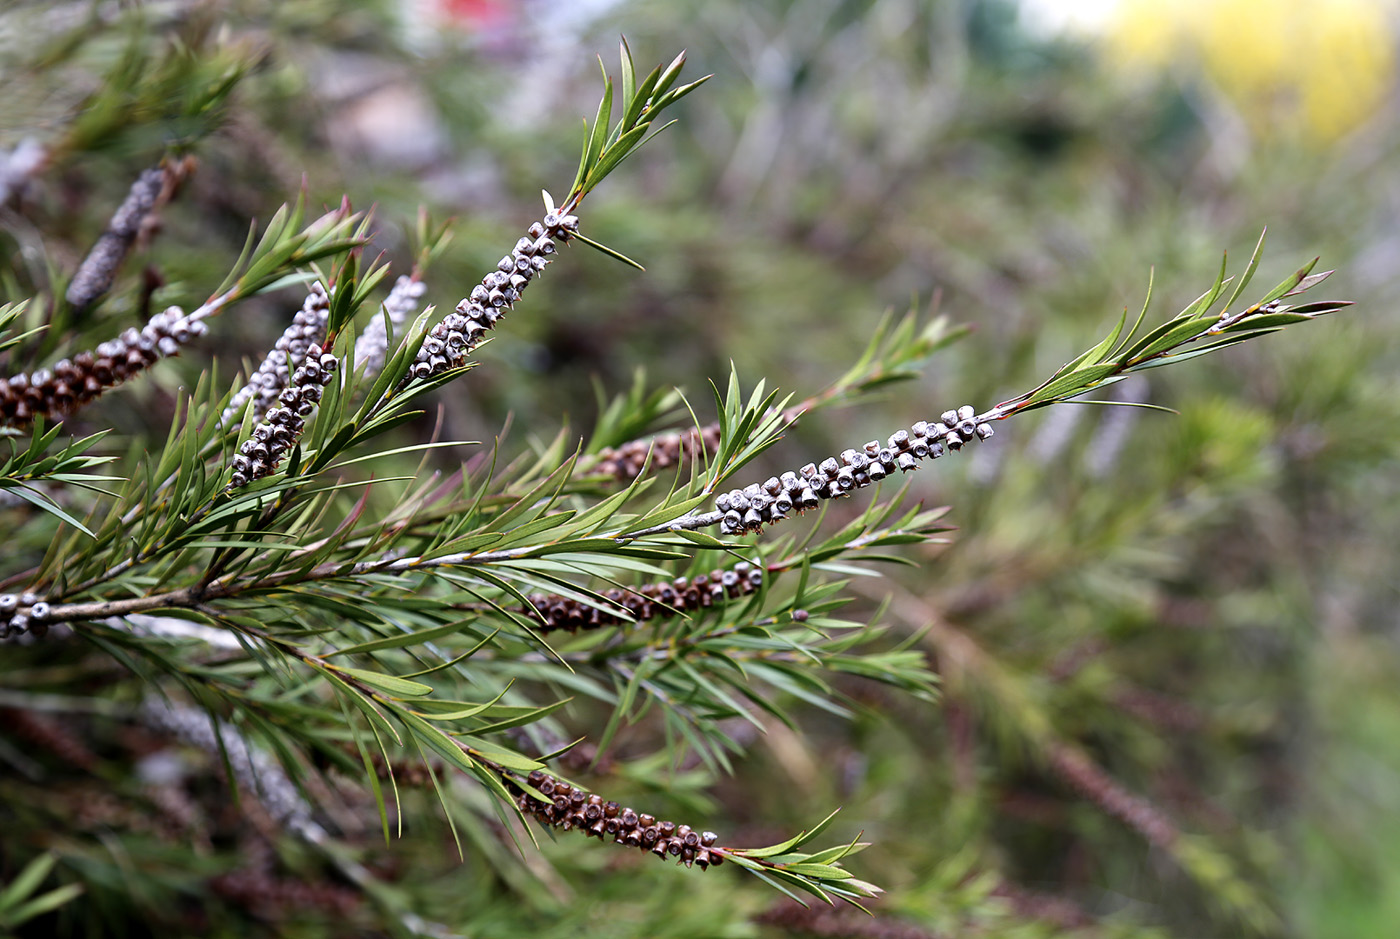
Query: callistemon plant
(238, 590)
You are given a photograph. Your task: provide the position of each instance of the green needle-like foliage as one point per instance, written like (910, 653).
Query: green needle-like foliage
(360, 609)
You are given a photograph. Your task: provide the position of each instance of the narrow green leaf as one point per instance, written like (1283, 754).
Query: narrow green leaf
(389, 683)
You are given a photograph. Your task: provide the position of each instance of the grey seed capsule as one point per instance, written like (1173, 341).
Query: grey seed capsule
(886, 455)
(807, 499)
(848, 456)
(772, 486)
(876, 472)
(871, 448)
(8, 602)
(783, 503)
(920, 449)
(506, 264)
(789, 480)
(938, 430)
(846, 477)
(752, 519)
(756, 576)
(238, 480)
(984, 431)
(935, 449)
(722, 502)
(544, 246)
(551, 220)
(808, 471)
(742, 568)
(479, 294)
(729, 578)
(739, 500)
(525, 246)
(535, 230)
(966, 428)
(830, 466)
(899, 440)
(29, 598)
(733, 522)
(966, 413)
(906, 462)
(949, 417)
(833, 490)
(953, 441)
(518, 281)
(497, 298)
(39, 611)
(920, 429)
(538, 263)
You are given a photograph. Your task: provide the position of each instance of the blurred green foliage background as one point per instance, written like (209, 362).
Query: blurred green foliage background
(1204, 604)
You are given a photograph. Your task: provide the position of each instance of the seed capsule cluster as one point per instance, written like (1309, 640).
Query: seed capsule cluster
(450, 342)
(747, 509)
(267, 382)
(21, 613)
(402, 302)
(625, 462)
(76, 381)
(95, 274)
(282, 426)
(554, 612)
(569, 808)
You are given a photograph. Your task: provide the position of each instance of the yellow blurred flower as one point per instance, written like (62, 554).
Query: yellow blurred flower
(1314, 69)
